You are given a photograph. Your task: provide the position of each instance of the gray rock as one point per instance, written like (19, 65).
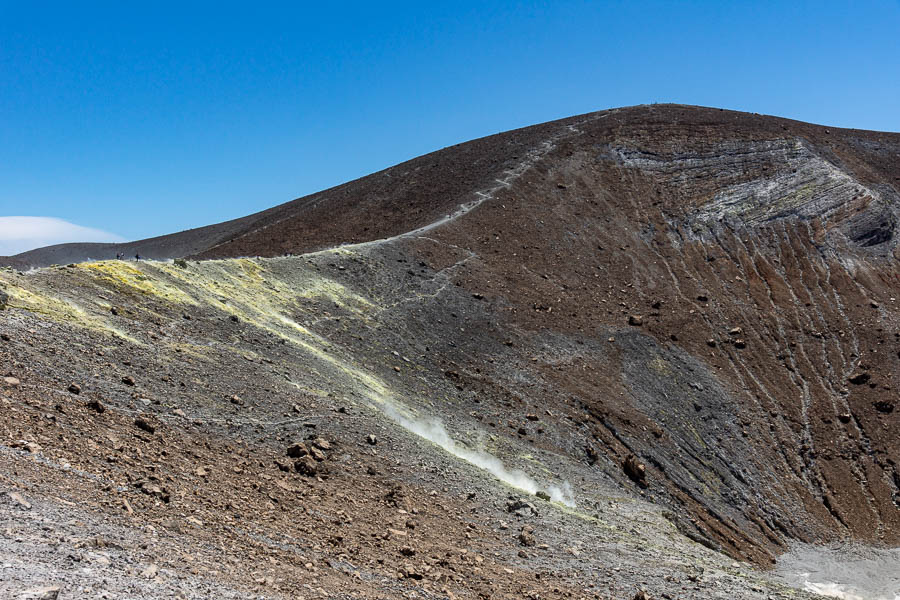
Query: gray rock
(42, 593)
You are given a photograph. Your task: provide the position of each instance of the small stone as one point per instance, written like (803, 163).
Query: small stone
(74, 388)
(96, 406)
(844, 417)
(635, 470)
(521, 507)
(150, 572)
(408, 551)
(371, 439)
(128, 380)
(306, 466)
(526, 537)
(101, 560)
(297, 450)
(884, 406)
(735, 331)
(321, 444)
(542, 495)
(641, 595)
(860, 378)
(28, 446)
(636, 320)
(179, 413)
(711, 343)
(317, 454)
(20, 500)
(42, 593)
(151, 489)
(144, 425)
(740, 343)
(11, 382)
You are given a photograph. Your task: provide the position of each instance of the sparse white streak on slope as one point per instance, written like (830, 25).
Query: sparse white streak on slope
(433, 430)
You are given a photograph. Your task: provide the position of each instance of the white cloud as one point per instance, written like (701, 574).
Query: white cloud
(18, 234)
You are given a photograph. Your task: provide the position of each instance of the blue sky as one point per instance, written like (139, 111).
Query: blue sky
(140, 119)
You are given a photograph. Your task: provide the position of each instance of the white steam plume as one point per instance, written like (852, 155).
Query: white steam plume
(433, 429)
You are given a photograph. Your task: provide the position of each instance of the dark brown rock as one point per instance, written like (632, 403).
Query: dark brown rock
(860, 378)
(144, 425)
(884, 406)
(635, 470)
(306, 466)
(297, 450)
(96, 406)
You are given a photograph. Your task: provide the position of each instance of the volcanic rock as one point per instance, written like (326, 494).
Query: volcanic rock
(306, 466)
(96, 406)
(635, 470)
(144, 425)
(297, 450)
(860, 378)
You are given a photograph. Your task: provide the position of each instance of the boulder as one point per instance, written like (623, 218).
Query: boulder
(297, 450)
(144, 425)
(96, 406)
(860, 378)
(306, 466)
(526, 536)
(635, 470)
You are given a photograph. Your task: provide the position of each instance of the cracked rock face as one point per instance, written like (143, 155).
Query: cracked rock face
(792, 182)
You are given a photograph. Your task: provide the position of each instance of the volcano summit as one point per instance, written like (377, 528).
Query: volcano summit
(640, 351)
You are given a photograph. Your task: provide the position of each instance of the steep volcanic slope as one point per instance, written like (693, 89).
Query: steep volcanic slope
(252, 429)
(691, 307)
(757, 253)
(755, 260)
